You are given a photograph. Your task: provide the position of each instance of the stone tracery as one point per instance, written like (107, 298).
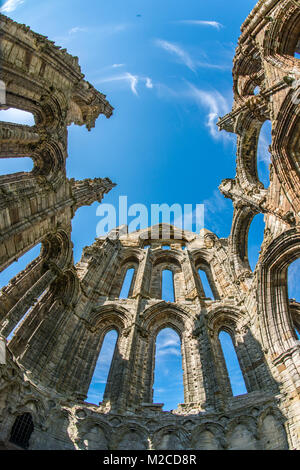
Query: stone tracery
(52, 356)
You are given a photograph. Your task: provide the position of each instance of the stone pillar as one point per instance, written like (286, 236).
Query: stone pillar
(118, 388)
(2, 350)
(215, 378)
(19, 285)
(142, 282)
(193, 284)
(24, 304)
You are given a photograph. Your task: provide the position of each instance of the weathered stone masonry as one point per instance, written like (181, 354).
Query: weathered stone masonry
(52, 356)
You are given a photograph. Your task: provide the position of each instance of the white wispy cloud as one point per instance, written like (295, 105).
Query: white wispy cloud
(127, 77)
(149, 83)
(77, 29)
(214, 24)
(131, 79)
(216, 105)
(217, 209)
(104, 30)
(178, 51)
(187, 59)
(168, 344)
(117, 66)
(117, 28)
(168, 351)
(10, 5)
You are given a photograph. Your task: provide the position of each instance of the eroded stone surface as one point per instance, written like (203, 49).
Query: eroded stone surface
(51, 358)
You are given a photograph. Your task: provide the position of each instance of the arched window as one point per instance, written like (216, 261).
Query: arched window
(263, 154)
(255, 239)
(167, 286)
(168, 375)
(294, 290)
(18, 266)
(235, 375)
(21, 321)
(100, 375)
(205, 284)
(21, 431)
(15, 165)
(16, 273)
(166, 247)
(17, 116)
(127, 284)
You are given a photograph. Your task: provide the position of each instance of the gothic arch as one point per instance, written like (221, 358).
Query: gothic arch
(131, 436)
(220, 316)
(271, 430)
(203, 261)
(57, 248)
(208, 436)
(241, 434)
(249, 64)
(286, 148)
(283, 34)
(163, 315)
(67, 287)
(171, 438)
(94, 434)
(131, 260)
(49, 159)
(108, 317)
(247, 149)
(236, 323)
(272, 294)
(242, 219)
(167, 260)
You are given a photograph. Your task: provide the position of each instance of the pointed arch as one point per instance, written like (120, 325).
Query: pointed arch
(206, 283)
(273, 292)
(167, 261)
(168, 388)
(131, 262)
(233, 367)
(127, 287)
(167, 286)
(102, 368)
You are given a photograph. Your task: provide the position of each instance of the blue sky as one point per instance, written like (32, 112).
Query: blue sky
(165, 66)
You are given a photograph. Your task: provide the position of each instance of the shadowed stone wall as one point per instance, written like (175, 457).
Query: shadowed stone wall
(51, 359)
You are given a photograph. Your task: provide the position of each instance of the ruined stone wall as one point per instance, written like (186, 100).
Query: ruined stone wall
(52, 356)
(38, 206)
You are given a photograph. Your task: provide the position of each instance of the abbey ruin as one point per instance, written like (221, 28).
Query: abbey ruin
(47, 366)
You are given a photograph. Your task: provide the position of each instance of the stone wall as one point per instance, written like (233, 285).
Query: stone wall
(52, 356)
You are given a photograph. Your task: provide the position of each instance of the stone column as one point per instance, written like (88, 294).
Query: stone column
(27, 301)
(2, 350)
(193, 284)
(142, 283)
